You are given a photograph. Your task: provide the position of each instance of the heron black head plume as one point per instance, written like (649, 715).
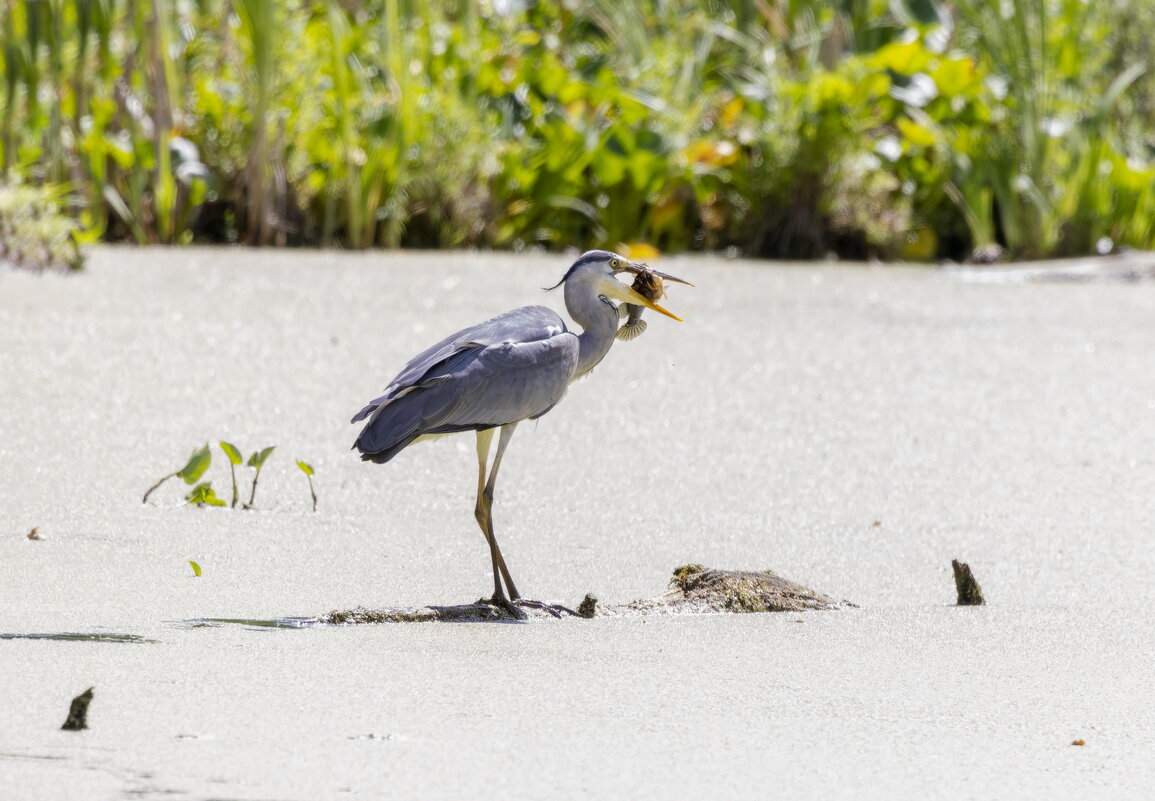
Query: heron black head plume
(584, 259)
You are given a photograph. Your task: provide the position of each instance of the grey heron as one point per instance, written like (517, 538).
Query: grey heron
(516, 366)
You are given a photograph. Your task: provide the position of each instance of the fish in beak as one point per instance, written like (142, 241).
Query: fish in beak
(646, 289)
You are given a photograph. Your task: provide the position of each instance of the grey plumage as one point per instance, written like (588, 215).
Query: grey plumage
(513, 367)
(516, 366)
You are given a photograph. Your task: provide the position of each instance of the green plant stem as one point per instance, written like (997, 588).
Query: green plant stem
(312, 491)
(157, 484)
(233, 474)
(253, 493)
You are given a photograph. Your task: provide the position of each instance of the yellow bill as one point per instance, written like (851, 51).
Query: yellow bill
(638, 299)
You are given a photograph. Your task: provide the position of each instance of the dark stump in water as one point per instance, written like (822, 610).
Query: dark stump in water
(589, 606)
(694, 589)
(78, 712)
(969, 591)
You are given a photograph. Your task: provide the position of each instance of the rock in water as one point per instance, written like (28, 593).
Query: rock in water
(695, 589)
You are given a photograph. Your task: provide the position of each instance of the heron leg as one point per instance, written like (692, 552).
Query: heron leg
(483, 512)
(499, 561)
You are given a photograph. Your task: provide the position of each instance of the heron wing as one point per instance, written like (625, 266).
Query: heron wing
(470, 385)
(527, 324)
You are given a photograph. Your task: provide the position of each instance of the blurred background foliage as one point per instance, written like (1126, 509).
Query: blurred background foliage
(910, 129)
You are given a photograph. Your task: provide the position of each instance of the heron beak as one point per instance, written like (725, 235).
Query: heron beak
(638, 299)
(637, 268)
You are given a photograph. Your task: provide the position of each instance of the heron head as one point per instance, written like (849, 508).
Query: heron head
(599, 269)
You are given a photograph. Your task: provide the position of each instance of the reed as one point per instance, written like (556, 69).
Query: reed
(794, 127)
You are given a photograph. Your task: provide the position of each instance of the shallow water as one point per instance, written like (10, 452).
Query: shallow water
(852, 428)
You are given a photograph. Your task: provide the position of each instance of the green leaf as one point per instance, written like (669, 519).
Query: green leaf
(198, 463)
(955, 76)
(203, 493)
(306, 468)
(914, 133)
(232, 452)
(258, 458)
(196, 568)
(905, 58)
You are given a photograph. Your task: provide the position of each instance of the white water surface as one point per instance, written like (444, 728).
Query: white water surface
(852, 427)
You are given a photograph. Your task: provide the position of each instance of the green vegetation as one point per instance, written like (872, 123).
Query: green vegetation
(234, 456)
(203, 494)
(35, 230)
(196, 569)
(257, 461)
(895, 128)
(194, 468)
(307, 469)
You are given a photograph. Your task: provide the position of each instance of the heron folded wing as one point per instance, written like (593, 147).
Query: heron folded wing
(504, 383)
(476, 389)
(527, 324)
(391, 394)
(413, 379)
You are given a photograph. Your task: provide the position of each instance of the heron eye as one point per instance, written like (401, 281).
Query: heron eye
(614, 263)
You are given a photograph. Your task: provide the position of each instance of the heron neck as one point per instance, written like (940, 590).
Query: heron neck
(599, 322)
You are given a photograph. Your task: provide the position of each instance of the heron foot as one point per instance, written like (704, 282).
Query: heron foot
(501, 602)
(554, 609)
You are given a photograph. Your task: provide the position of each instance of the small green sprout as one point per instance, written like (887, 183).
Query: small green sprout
(257, 461)
(235, 459)
(203, 494)
(307, 469)
(197, 464)
(196, 568)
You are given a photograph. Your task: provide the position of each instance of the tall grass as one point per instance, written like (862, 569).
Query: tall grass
(258, 27)
(786, 128)
(1045, 167)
